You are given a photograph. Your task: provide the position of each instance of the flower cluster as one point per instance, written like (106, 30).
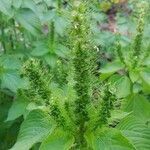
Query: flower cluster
(39, 81)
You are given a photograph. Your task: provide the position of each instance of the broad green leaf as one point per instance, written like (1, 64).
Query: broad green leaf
(145, 75)
(136, 132)
(10, 62)
(51, 59)
(137, 88)
(117, 115)
(17, 3)
(48, 16)
(134, 75)
(62, 51)
(29, 20)
(17, 109)
(5, 7)
(40, 49)
(34, 129)
(123, 87)
(60, 25)
(139, 106)
(147, 61)
(109, 140)
(58, 140)
(112, 67)
(104, 76)
(12, 81)
(30, 4)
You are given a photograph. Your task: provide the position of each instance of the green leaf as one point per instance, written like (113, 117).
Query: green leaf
(10, 62)
(17, 109)
(29, 20)
(111, 139)
(51, 59)
(145, 75)
(40, 49)
(17, 3)
(110, 69)
(62, 51)
(5, 7)
(49, 16)
(147, 61)
(58, 140)
(139, 106)
(134, 75)
(123, 87)
(60, 25)
(12, 81)
(34, 129)
(136, 132)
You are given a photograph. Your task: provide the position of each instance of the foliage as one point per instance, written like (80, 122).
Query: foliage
(67, 83)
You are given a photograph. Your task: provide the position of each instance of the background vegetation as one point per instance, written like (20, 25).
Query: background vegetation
(74, 75)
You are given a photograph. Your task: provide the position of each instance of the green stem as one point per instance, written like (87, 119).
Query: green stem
(3, 37)
(52, 37)
(59, 4)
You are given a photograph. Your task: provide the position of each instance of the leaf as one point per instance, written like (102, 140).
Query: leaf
(123, 87)
(60, 25)
(145, 75)
(112, 67)
(136, 132)
(51, 59)
(134, 75)
(34, 129)
(17, 3)
(40, 49)
(147, 61)
(17, 109)
(58, 140)
(12, 81)
(5, 7)
(49, 16)
(109, 69)
(111, 139)
(29, 20)
(10, 62)
(62, 51)
(139, 106)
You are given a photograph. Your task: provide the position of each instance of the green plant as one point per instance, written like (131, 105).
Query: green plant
(54, 93)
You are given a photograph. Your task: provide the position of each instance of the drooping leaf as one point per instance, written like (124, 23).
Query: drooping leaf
(5, 7)
(109, 69)
(62, 51)
(10, 62)
(139, 106)
(34, 129)
(17, 3)
(145, 75)
(40, 49)
(58, 140)
(17, 109)
(60, 25)
(134, 75)
(12, 81)
(123, 87)
(112, 67)
(111, 139)
(136, 132)
(51, 59)
(29, 20)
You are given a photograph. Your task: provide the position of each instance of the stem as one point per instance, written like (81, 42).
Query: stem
(59, 4)
(3, 36)
(52, 37)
